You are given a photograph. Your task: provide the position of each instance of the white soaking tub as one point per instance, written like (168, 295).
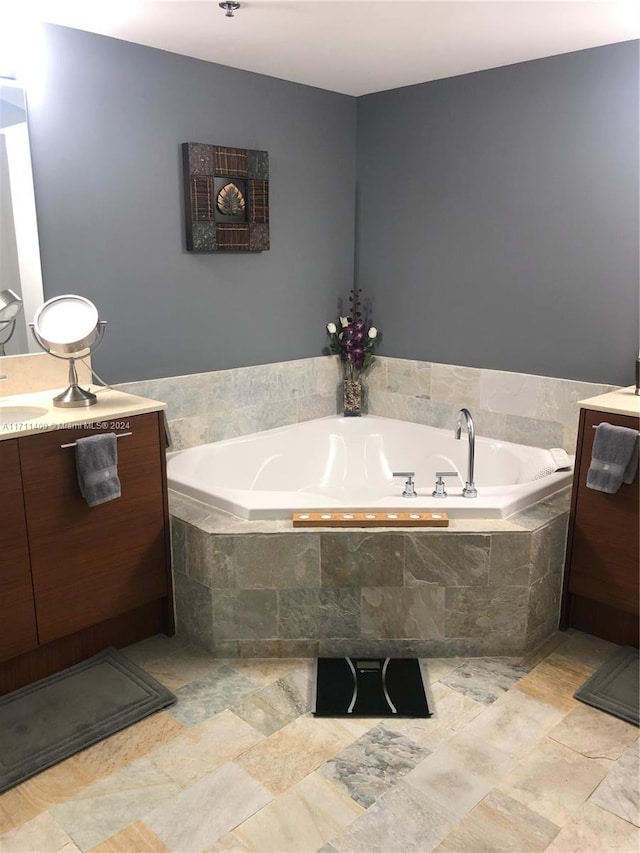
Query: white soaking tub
(339, 463)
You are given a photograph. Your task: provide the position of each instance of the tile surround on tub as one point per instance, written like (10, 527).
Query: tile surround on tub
(526, 409)
(248, 588)
(312, 606)
(205, 407)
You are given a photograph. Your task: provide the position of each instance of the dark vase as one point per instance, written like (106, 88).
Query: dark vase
(352, 398)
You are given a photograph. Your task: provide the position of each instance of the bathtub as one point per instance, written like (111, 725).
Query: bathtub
(338, 463)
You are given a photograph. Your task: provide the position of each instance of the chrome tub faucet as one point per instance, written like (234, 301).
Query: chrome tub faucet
(469, 490)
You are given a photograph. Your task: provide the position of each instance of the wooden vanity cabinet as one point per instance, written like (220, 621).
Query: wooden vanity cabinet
(17, 612)
(99, 575)
(602, 568)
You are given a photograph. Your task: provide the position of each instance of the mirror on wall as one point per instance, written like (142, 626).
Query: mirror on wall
(20, 269)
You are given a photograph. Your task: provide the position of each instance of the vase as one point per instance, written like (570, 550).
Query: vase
(352, 398)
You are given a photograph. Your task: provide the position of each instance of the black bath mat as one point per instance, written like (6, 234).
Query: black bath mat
(369, 687)
(48, 721)
(614, 686)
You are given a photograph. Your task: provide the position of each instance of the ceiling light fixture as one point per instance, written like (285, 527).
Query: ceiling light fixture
(230, 6)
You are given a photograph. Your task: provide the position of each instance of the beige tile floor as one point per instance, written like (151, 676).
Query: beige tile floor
(509, 761)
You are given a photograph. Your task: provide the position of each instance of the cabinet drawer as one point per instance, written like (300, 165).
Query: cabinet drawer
(604, 558)
(17, 615)
(90, 564)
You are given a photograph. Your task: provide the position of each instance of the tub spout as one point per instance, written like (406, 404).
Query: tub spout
(469, 490)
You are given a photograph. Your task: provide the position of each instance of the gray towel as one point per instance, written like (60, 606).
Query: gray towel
(97, 468)
(614, 458)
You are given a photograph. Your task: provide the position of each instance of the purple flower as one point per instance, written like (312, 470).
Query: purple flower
(355, 340)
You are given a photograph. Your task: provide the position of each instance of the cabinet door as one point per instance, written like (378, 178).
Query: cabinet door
(17, 614)
(604, 549)
(92, 563)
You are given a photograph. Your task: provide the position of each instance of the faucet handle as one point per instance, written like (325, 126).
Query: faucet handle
(439, 491)
(409, 486)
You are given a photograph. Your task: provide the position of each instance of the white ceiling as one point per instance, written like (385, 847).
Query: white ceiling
(360, 46)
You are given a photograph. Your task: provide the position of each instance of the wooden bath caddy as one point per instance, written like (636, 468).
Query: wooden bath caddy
(385, 518)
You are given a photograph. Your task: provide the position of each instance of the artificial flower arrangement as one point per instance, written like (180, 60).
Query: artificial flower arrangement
(354, 340)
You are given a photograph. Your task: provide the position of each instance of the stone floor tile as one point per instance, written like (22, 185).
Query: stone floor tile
(38, 794)
(301, 820)
(619, 793)
(281, 702)
(16, 810)
(435, 669)
(135, 838)
(104, 758)
(403, 819)
(103, 809)
(551, 644)
(373, 764)
(201, 699)
(182, 666)
(485, 679)
(460, 773)
(500, 823)
(208, 809)
(153, 648)
(451, 711)
(514, 722)
(202, 748)
(485, 778)
(594, 733)
(265, 672)
(555, 680)
(40, 834)
(553, 780)
(586, 649)
(291, 753)
(594, 830)
(229, 843)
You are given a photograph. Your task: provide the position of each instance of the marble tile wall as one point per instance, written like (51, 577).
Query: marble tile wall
(534, 410)
(293, 593)
(205, 407)
(526, 409)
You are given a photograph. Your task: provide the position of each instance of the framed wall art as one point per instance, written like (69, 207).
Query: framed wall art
(226, 198)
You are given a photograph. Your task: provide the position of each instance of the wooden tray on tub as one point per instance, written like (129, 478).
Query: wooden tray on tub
(379, 518)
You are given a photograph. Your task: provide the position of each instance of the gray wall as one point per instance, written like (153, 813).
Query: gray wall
(497, 212)
(106, 136)
(498, 216)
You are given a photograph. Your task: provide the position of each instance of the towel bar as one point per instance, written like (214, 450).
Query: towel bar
(118, 435)
(595, 426)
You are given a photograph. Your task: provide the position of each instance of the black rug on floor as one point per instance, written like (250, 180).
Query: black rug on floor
(46, 722)
(614, 687)
(369, 687)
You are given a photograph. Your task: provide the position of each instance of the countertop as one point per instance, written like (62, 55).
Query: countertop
(111, 407)
(624, 401)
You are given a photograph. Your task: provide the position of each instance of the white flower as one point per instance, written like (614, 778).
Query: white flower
(373, 332)
(344, 322)
(331, 328)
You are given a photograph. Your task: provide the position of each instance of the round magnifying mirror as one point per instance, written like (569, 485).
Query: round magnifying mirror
(67, 325)
(10, 305)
